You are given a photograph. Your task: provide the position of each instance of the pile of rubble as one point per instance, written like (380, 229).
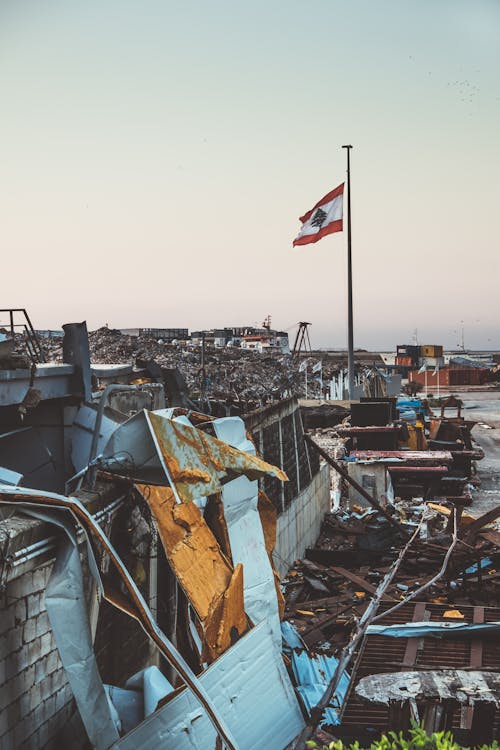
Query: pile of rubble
(402, 555)
(229, 374)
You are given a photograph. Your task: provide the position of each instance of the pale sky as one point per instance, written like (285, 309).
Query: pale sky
(155, 157)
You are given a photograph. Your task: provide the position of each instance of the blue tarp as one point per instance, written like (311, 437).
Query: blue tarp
(436, 630)
(313, 672)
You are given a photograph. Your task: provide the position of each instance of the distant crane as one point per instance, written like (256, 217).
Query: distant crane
(302, 340)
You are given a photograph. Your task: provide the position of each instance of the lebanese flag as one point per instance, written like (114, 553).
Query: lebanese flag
(324, 218)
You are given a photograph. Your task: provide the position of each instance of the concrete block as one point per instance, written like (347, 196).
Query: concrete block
(34, 649)
(20, 611)
(42, 624)
(58, 679)
(29, 630)
(21, 659)
(7, 621)
(14, 639)
(53, 661)
(35, 604)
(46, 687)
(49, 708)
(4, 647)
(41, 669)
(19, 587)
(24, 702)
(41, 577)
(4, 726)
(61, 698)
(35, 696)
(22, 730)
(46, 644)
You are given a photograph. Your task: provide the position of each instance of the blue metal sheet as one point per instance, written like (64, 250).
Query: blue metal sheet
(436, 629)
(313, 672)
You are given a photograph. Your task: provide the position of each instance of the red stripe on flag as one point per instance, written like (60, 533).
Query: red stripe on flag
(329, 197)
(333, 226)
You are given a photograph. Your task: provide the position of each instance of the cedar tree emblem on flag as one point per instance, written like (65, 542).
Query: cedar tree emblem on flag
(324, 218)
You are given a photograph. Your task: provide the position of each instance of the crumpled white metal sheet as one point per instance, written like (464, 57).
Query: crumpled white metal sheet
(151, 448)
(244, 526)
(250, 689)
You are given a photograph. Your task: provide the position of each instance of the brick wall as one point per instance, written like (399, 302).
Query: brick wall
(35, 698)
(37, 709)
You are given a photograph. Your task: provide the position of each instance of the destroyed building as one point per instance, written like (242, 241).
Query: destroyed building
(175, 578)
(140, 558)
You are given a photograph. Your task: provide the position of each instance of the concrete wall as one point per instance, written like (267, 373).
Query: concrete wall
(299, 525)
(302, 501)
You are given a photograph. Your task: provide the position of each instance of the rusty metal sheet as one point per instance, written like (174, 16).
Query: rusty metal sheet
(152, 448)
(191, 548)
(227, 621)
(214, 590)
(269, 521)
(246, 532)
(196, 463)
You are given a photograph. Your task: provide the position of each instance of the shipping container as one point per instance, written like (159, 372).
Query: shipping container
(431, 350)
(409, 350)
(403, 361)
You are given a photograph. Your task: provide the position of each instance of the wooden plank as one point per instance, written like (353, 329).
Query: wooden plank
(475, 662)
(343, 573)
(480, 522)
(359, 582)
(326, 620)
(412, 644)
(491, 536)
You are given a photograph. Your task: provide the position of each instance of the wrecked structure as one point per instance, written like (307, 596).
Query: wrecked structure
(143, 541)
(401, 587)
(139, 561)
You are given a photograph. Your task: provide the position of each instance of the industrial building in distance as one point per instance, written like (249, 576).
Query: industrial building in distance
(260, 339)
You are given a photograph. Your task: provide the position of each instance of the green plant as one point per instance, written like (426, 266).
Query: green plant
(416, 739)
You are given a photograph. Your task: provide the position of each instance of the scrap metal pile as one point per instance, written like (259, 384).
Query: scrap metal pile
(229, 686)
(402, 547)
(229, 374)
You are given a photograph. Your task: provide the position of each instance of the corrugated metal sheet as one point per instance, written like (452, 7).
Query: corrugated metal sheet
(149, 448)
(313, 672)
(380, 654)
(250, 689)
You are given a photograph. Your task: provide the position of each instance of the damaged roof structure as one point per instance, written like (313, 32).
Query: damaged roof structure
(401, 587)
(156, 515)
(163, 583)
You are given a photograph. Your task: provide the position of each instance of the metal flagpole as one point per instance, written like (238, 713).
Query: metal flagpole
(350, 333)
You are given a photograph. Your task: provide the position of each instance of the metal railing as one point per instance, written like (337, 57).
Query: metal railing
(33, 346)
